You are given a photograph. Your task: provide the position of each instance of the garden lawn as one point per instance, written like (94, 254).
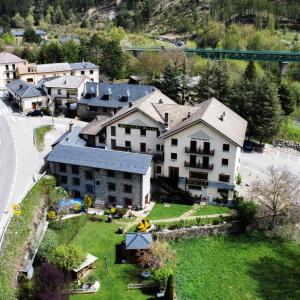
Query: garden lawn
(211, 210)
(289, 130)
(40, 133)
(168, 210)
(100, 240)
(237, 267)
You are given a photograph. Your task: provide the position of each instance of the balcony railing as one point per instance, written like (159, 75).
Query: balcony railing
(158, 158)
(119, 148)
(199, 151)
(198, 165)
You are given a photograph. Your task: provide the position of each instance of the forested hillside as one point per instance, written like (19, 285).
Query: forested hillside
(154, 15)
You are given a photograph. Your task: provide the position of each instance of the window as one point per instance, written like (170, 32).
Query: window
(143, 132)
(63, 179)
(158, 169)
(174, 156)
(162, 148)
(158, 147)
(62, 168)
(113, 143)
(76, 194)
(89, 188)
(226, 147)
(13, 66)
(6, 67)
(174, 142)
(224, 178)
(7, 75)
(113, 130)
(110, 173)
(127, 188)
(88, 175)
(128, 201)
(91, 71)
(127, 175)
(157, 133)
(143, 147)
(127, 144)
(82, 72)
(111, 187)
(112, 200)
(59, 91)
(127, 130)
(105, 110)
(29, 79)
(195, 187)
(75, 169)
(199, 175)
(224, 162)
(76, 181)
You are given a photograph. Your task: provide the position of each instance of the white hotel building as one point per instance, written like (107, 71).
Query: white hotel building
(196, 149)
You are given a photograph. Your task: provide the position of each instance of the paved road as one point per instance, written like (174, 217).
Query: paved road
(7, 157)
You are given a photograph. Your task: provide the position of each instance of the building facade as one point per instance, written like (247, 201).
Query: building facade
(197, 149)
(111, 178)
(9, 64)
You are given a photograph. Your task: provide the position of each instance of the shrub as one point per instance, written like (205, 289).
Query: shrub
(87, 201)
(238, 179)
(107, 212)
(51, 215)
(113, 210)
(66, 257)
(143, 225)
(49, 242)
(96, 218)
(121, 212)
(246, 211)
(77, 207)
(91, 279)
(162, 275)
(216, 221)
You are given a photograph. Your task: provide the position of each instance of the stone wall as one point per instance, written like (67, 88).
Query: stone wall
(287, 144)
(197, 231)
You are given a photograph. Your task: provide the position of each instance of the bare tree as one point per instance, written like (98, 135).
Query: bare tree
(277, 193)
(159, 255)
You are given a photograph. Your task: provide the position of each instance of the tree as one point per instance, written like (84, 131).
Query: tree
(278, 193)
(158, 256)
(66, 257)
(286, 98)
(170, 290)
(169, 83)
(18, 21)
(31, 36)
(265, 113)
(29, 21)
(49, 242)
(151, 63)
(250, 72)
(49, 282)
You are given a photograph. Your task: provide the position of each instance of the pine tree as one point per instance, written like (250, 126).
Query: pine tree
(286, 98)
(250, 72)
(169, 293)
(264, 116)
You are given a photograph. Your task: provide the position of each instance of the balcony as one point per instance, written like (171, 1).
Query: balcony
(158, 158)
(199, 151)
(119, 148)
(198, 165)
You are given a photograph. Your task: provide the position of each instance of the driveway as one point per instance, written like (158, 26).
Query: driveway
(255, 165)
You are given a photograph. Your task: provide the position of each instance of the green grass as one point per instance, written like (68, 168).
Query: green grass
(160, 211)
(16, 235)
(211, 210)
(40, 133)
(289, 130)
(237, 267)
(100, 240)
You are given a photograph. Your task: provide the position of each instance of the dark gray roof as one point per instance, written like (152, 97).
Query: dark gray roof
(83, 65)
(137, 241)
(101, 158)
(24, 89)
(119, 94)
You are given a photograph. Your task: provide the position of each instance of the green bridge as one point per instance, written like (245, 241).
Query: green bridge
(220, 54)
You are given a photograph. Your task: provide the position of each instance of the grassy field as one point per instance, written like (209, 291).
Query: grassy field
(16, 235)
(237, 267)
(40, 133)
(289, 130)
(165, 211)
(101, 240)
(211, 210)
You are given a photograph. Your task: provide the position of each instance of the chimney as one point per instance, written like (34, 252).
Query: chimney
(71, 126)
(128, 93)
(65, 81)
(167, 119)
(189, 115)
(109, 93)
(221, 118)
(160, 101)
(21, 86)
(97, 90)
(130, 103)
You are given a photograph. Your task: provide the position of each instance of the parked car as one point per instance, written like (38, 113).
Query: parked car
(35, 113)
(248, 146)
